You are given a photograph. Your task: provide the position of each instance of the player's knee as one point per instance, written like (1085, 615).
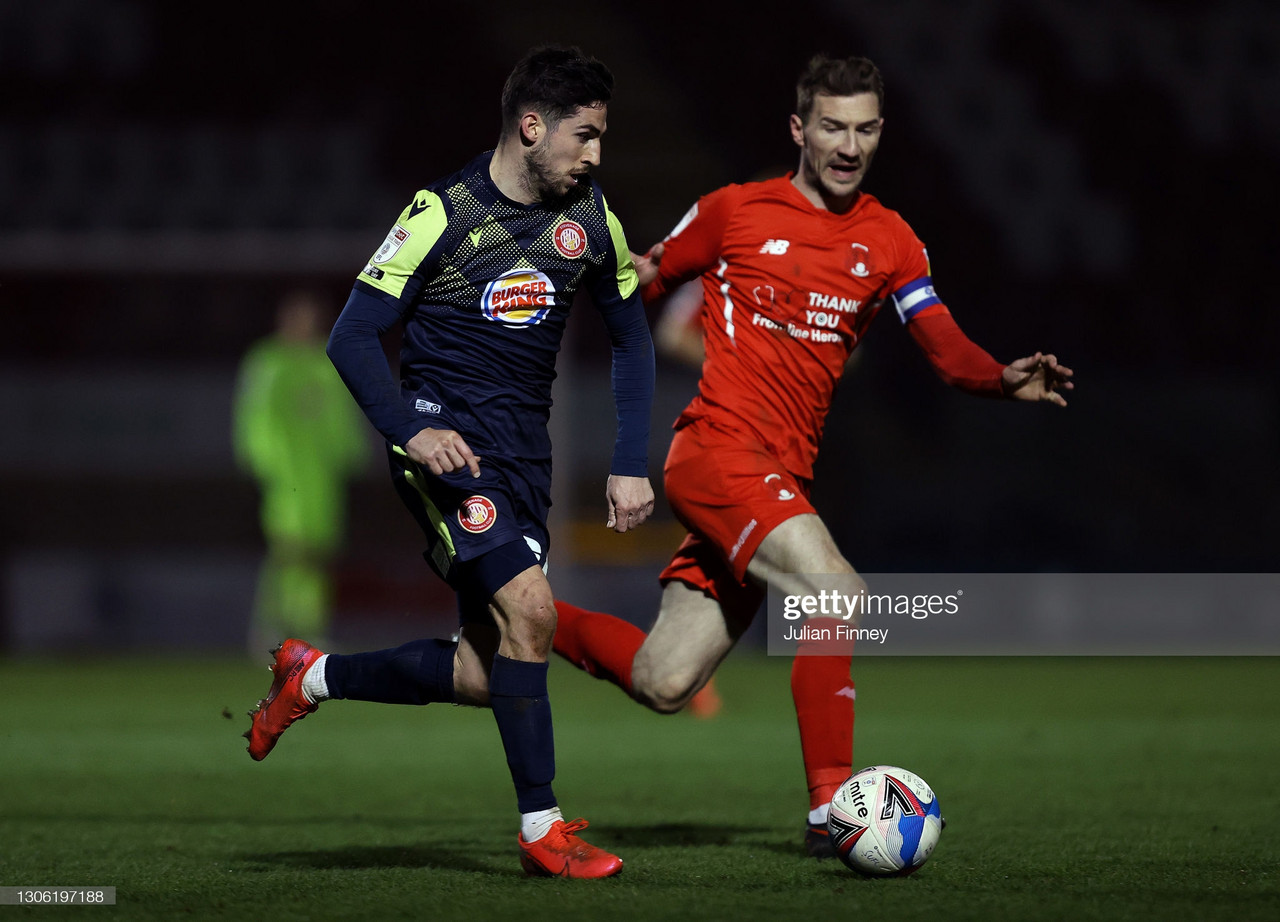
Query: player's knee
(530, 629)
(669, 694)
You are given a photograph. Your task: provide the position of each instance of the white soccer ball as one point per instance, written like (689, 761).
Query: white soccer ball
(884, 821)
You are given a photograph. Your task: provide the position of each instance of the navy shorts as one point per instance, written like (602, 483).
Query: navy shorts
(481, 531)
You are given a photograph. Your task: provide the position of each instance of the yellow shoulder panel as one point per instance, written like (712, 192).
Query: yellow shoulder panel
(407, 244)
(627, 279)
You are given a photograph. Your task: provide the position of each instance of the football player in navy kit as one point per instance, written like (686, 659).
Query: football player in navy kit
(481, 269)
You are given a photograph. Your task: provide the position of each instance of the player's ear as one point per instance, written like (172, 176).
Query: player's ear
(532, 127)
(797, 130)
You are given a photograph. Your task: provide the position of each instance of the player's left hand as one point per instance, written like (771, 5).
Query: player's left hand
(1038, 377)
(630, 501)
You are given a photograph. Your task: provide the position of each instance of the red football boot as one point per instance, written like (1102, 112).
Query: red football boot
(560, 853)
(285, 702)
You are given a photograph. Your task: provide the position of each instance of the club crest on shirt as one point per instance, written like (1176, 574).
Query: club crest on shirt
(570, 239)
(859, 260)
(518, 298)
(477, 513)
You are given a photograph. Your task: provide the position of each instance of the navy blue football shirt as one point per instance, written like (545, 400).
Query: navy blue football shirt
(483, 286)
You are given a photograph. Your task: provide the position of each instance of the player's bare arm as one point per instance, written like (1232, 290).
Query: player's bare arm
(442, 451)
(1037, 377)
(630, 501)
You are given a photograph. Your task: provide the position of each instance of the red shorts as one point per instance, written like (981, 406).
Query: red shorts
(730, 492)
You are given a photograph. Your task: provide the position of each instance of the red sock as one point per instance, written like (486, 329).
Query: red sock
(823, 693)
(601, 645)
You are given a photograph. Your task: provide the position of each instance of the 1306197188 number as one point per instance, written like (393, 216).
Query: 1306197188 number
(32, 896)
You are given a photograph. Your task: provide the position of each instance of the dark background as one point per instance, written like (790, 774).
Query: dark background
(1092, 179)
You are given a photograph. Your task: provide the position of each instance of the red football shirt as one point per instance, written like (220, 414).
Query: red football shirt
(789, 290)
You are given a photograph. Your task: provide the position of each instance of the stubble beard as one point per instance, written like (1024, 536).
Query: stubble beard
(838, 192)
(540, 180)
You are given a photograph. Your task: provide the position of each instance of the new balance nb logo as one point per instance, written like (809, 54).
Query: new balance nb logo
(775, 247)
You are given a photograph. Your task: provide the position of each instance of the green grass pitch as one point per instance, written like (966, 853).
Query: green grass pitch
(1073, 788)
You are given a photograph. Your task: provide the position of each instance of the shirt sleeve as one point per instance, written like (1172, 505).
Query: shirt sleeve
(251, 424)
(355, 348)
(956, 358)
(384, 290)
(614, 291)
(695, 244)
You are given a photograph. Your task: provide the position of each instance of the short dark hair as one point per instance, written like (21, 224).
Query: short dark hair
(828, 76)
(554, 81)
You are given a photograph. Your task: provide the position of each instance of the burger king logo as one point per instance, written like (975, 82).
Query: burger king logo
(518, 298)
(570, 239)
(477, 514)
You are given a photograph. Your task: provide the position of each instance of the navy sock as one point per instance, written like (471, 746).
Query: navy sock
(518, 696)
(418, 672)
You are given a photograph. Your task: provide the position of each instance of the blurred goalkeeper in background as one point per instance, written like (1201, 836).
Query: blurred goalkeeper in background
(297, 433)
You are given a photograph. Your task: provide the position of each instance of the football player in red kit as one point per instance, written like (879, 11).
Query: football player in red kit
(793, 271)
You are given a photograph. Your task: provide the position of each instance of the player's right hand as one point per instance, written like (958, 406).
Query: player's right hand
(441, 451)
(647, 265)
